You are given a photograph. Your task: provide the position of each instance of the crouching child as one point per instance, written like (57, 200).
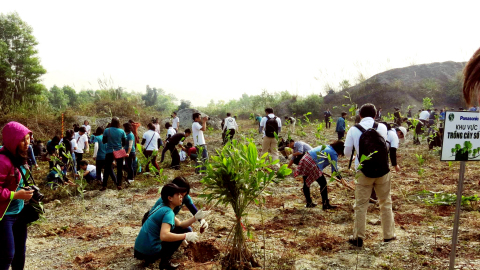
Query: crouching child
(162, 233)
(89, 171)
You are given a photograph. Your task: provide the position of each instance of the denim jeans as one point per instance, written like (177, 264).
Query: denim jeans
(13, 238)
(130, 160)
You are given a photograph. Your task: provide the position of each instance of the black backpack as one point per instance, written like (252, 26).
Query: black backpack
(371, 141)
(271, 126)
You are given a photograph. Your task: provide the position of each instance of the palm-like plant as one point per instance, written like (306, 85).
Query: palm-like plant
(236, 176)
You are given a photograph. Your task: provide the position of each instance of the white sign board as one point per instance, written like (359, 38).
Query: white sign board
(461, 137)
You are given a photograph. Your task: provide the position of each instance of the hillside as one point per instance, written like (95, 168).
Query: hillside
(402, 87)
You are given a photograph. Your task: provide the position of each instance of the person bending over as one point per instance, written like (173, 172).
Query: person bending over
(299, 149)
(311, 166)
(171, 145)
(89, 171)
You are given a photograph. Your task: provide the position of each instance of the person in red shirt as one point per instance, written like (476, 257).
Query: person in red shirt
(135, 130)
(191, 151)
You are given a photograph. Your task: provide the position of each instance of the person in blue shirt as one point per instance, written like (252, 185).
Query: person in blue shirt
(162, 233)
(130, 149)
(187, 201)
(99, 152)
(340, 129)
(311, 167)
(115, 138)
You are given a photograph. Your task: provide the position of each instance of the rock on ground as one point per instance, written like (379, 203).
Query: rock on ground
(186, 120)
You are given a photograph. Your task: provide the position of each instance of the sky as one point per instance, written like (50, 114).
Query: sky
(204, 50)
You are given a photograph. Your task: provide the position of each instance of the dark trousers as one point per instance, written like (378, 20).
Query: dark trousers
(323, 189)
(130, 160)
(168, 248)
(228, 135)
(13, 238)
(341, 134)
(328, 124)
(79, 157)
(109, 170)
(99, 164)
(173, 153)
(149, 154)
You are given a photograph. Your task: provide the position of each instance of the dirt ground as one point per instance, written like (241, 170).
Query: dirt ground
(99, 231)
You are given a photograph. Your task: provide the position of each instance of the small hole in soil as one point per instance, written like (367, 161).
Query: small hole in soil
(202, 252)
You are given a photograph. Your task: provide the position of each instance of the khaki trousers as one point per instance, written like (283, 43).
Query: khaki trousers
(270, 145)
(363, 190)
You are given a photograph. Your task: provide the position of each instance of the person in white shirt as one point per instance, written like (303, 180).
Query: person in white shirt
(270, 124)
(170, 131)
(198, 127)
(424, 115)
(150, 143)
(365, 184)
(87, 126)
(89, 171)
(175, 121)
(82, 145)
(156, 125)
(229, 128)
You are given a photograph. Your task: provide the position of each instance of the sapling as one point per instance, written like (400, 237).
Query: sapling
(236, 176)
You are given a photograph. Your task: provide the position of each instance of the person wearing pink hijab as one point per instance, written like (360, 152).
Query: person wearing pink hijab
(13, 232)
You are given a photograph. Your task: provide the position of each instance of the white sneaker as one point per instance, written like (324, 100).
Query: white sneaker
(130, 181)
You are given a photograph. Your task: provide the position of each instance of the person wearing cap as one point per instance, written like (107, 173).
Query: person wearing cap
(162, 233)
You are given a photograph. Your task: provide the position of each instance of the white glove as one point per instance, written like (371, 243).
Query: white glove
(203, 224)
(201, 214)
(191, 237)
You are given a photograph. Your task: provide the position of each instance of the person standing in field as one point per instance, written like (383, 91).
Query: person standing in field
(229, 128)
(115, 138)
(82, 145)
(258, 119)
(150, 142)
(327, 115)
(99, 152)
(198, 127)
(291, 121)
(87, 126)
(13, 229)
(270, 125)
(135, 127)
(156, 125)
(340, 128)
(369, 139)
(175, 121)
(130, 151)
(398, 119)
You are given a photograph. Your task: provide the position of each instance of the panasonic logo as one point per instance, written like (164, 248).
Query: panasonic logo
(469, 118)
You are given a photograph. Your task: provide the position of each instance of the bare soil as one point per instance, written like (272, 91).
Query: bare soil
(99, 232)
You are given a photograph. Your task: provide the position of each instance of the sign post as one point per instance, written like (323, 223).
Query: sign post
(461, 142)
(457, 215)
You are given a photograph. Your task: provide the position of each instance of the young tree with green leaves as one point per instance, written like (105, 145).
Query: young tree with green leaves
(236, 176)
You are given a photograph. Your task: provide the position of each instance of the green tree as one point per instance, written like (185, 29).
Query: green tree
(58, 99)
(184, 104)
(20, 67)
(151, 96)
(427, 103)
(344, 84)
(72, 95)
